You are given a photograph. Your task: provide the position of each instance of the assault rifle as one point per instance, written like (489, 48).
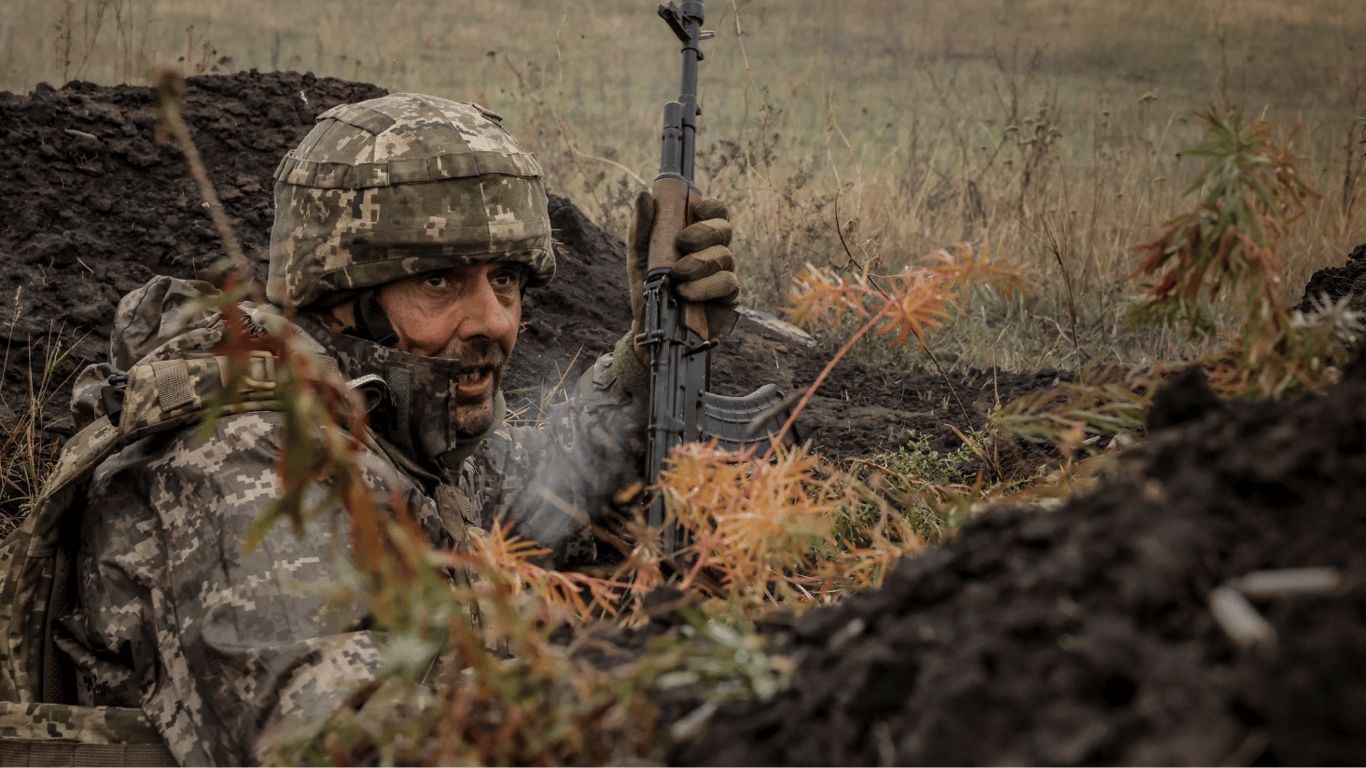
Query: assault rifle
(675, 332)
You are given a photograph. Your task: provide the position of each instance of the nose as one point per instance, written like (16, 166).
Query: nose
(484, 314)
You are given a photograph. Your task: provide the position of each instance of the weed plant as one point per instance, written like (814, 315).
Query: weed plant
(1222, 252)
(26, 455)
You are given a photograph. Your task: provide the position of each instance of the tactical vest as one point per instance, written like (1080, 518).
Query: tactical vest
(39, 722)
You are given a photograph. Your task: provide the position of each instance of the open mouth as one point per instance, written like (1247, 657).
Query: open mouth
(475, 381)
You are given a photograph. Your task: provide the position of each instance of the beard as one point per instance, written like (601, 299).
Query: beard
(474, 414)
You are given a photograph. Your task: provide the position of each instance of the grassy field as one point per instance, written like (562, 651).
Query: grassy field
(912, 125)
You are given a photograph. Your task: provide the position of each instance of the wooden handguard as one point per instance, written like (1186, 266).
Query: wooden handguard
(673, 212)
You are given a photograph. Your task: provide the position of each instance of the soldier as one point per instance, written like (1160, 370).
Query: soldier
(407, 230)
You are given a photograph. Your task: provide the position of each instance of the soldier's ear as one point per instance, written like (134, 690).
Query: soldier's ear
(336, 310)
(340, 318)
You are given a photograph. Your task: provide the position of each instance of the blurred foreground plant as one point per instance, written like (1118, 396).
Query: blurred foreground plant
(471, 674)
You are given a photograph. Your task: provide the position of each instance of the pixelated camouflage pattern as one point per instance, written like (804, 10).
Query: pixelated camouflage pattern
(216, 645)
(28, 565)
(51, 751)
(402, 185)
(164, 307)
(28, 557)
(58, 734)
(219, 647)
(94, 725)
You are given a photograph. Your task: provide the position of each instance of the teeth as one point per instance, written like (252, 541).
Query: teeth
(470, 377)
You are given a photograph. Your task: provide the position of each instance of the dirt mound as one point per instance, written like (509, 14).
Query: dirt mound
(95, 207)
(1333, 283)
(1084, 635)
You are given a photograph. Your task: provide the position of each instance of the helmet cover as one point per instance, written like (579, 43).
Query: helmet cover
(399, 186)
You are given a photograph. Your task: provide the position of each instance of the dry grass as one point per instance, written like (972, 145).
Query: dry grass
(913, 125)
(27, 454)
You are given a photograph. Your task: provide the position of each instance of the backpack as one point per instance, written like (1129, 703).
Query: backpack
(39, 722)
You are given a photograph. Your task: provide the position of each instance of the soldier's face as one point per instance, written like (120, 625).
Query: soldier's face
(470, 314)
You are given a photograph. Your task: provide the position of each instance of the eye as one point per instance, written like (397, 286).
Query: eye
(506, 278)
(434, 280)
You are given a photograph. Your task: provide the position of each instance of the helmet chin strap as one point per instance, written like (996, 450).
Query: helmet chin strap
(372, 323)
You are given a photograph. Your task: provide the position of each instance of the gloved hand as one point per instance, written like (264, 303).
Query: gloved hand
(705, 271)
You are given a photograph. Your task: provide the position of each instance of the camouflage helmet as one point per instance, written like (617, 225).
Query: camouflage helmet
(402, 185)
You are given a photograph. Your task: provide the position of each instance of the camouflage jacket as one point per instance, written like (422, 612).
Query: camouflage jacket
(217, 646)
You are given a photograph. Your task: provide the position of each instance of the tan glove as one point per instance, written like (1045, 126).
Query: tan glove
(705, 271)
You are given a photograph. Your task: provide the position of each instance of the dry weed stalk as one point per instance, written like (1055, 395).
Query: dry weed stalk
(917, 300)
(83, 32)
(26, 457)
(753, 526)
(1103, 401)
(567, 594)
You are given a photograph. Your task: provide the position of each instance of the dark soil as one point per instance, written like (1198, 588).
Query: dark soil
(1080, 635)
(93, 206)
(1334, 283)
(1084, 635)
